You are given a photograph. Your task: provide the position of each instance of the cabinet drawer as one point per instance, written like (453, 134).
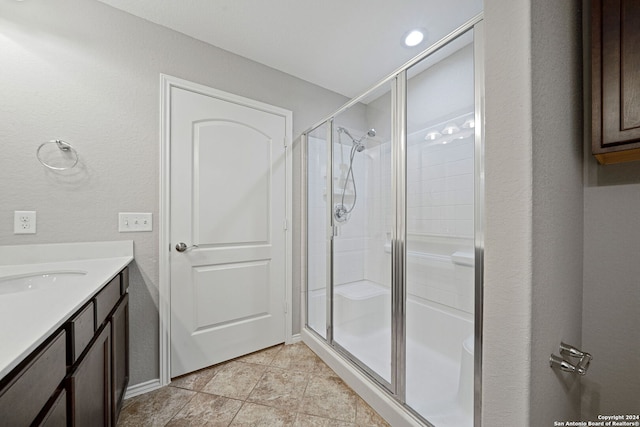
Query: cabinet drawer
(57, 414)
(23, 398)
(81, 329)
(107, 299)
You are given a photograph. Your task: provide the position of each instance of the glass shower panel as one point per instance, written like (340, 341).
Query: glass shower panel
(317, 229)
(363, 223)
(440, 235)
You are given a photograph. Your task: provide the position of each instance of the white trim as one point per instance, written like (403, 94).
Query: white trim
(296, 338)
(166, 83)
(142, 388)
(164, 287)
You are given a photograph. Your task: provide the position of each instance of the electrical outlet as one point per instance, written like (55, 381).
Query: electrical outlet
(24, 222)
(134, 221)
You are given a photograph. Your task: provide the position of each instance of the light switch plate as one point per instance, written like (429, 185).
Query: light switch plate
(24, 222)
(129, 222)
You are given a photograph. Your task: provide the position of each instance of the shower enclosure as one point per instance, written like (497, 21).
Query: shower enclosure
(393, 233)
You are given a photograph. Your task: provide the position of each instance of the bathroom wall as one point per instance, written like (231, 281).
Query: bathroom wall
(533, 184)
(557, 205)
(89, 74)
(611, 294)
(508, 176)
(610, 314)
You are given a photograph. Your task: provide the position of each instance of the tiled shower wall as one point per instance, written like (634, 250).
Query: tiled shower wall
(440, 197)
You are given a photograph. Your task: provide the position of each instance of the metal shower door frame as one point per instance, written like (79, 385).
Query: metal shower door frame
(398, 80)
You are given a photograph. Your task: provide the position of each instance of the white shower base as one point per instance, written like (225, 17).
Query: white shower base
(439, 367)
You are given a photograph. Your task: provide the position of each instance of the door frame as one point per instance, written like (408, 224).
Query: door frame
(168, 82)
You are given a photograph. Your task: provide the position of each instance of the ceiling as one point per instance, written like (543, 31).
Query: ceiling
(342, 45)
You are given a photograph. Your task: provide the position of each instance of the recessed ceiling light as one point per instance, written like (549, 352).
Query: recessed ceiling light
(413, 38)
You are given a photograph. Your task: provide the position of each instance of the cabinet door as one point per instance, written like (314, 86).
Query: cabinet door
(120, 355)
(90, 384)
(57, 414)
(615, 79)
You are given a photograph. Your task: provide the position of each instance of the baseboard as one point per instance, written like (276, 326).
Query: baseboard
(142, 388)
(296, 338)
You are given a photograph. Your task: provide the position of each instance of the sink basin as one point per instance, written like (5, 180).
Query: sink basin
(39, 280)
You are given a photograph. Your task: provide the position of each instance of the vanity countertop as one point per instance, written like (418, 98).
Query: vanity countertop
(28, 318)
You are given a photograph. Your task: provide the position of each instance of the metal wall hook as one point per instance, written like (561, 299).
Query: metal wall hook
(568, 350)
(64, 146)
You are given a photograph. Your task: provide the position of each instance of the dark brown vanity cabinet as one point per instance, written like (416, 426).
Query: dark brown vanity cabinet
(78, 376)
(615, 80)
(26, 391)
(119, 355)
(90, 384)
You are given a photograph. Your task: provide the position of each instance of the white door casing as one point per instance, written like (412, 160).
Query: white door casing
(228, 194)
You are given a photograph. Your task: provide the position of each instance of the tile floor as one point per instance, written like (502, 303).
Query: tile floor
(280, 386)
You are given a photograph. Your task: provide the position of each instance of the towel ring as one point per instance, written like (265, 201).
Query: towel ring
(63, 146)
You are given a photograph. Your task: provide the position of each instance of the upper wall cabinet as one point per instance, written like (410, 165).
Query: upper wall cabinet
(615, 85)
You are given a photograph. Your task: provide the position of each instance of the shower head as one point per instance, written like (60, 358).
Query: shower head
(358, 142)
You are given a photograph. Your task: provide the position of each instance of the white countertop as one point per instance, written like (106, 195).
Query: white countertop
(28, 318)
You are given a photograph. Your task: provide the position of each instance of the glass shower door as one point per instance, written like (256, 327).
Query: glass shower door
(394, 183)
(440, 273)
(361, 209)
(317, 226)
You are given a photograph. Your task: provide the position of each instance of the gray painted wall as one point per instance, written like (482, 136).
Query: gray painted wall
(611, 294)
(533, 247)
(89, 74)
(611, 318)
(557, 205)
(508, 209)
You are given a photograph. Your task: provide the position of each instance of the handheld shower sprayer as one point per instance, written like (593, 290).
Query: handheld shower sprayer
(341, 212)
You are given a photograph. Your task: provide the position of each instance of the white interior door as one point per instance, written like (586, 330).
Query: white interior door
(227, 204)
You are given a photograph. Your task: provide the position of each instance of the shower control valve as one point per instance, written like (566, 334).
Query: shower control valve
(340, 213)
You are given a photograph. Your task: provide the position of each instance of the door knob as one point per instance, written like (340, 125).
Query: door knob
(181, 247)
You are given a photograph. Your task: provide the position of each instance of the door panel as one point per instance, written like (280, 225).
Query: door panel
(240, 212)
(247, 299)
(228, 206)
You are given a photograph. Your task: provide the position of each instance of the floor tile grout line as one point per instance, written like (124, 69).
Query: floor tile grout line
(236, 414)
(306, 384)
(182, 407)
(256, 384)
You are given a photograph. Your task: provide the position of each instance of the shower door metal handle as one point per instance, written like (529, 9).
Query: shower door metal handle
(182, 247)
